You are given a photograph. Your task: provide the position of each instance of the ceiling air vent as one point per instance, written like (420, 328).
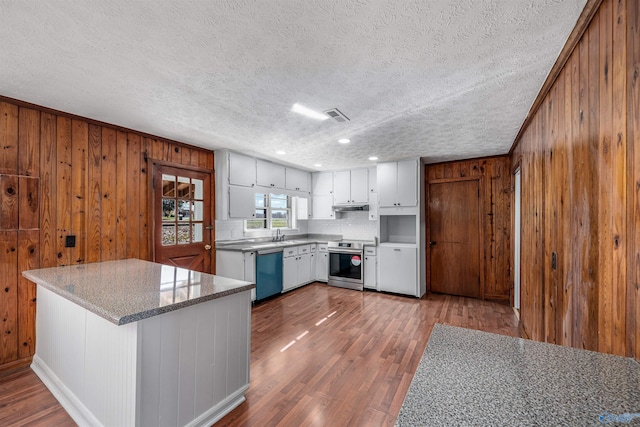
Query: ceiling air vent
(337, 115)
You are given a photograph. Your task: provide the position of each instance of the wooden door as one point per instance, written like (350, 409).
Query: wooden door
(182, 217)
(454, 238)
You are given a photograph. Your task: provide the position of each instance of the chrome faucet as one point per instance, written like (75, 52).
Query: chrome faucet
(278, 237)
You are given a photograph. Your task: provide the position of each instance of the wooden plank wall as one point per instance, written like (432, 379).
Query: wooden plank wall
(63, 175)
(580, 194)
(495, 199)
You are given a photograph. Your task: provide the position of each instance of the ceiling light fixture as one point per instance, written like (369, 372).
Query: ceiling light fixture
(373, 158)
(344, 141)
(301, 109)
(318, 165)
(280, 152)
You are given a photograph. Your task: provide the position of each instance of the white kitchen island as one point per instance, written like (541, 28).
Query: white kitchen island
(134, 343)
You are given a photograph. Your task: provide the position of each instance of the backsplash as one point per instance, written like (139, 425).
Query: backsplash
(233, 229)
(351, 225)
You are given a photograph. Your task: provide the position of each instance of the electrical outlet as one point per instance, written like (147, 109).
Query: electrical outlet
(70, 242)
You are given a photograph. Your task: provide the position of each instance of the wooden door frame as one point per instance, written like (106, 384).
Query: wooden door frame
(481, 216)
(151, 213)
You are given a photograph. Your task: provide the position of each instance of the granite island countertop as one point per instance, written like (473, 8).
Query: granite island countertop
(130, 290)
(474, 378)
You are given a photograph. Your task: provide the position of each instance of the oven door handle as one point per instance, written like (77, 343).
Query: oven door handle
(346, 252)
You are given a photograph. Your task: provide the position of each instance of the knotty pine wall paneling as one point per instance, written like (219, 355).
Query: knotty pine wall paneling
(633, 187)
(495, 202)
(64, 175)
(580, 188)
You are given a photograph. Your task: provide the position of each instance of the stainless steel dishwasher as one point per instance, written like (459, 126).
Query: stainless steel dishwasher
(268, 273)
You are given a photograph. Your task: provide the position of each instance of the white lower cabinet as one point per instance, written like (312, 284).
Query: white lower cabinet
(322, 263)
(296, 267)
(289, 272)
(237, 265)
(370, 268)
(397, 268)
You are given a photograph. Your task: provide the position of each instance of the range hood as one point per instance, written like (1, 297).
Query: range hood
(350, 208)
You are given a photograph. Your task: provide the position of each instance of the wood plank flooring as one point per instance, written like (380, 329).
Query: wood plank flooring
(320, 356)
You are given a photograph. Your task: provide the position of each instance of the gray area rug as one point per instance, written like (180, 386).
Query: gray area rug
(473, 378)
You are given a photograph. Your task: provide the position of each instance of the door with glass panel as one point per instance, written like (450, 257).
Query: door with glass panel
(182, 217)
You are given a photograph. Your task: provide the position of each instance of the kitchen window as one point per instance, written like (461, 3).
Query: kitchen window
(273, 211)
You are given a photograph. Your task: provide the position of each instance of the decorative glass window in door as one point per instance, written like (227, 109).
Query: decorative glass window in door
(182, 210)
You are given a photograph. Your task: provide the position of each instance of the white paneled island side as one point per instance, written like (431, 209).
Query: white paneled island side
(135, 343)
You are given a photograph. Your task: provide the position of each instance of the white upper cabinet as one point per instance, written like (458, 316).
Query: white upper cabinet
(359, 186)
(242, 202)
(269, 174)
(242, 170)
(398, 183)
(342, 181)
(297, 180)
(351, 186)
(322, 183)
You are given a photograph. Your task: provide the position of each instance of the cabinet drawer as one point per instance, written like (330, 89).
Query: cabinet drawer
(370, 250)
(289, 252)
(305, 249)
(313, 247)
(322, 247)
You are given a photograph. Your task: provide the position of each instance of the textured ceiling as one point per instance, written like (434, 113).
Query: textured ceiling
(437, 79)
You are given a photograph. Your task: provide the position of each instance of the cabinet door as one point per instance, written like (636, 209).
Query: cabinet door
(387, 183)
(397, 268)
(407, 183)
(250, 271)
(322, 207)
(297, 180)
(289, 273)
(242, 170)
(322, 267)
(242, 202)
(304, 269)
(342, 193)
(322, 183)
(359, 186)
(269, 174)
(314, 266)
(250, 267)
(373, 180)
(370, 266)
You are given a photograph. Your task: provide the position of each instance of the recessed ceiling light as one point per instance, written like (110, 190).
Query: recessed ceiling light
(373, 158)
(308, 112)
(344, 141)
(280, 152)
(318, 165)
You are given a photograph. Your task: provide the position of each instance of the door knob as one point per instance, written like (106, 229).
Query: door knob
(432, 243)
(207, 247)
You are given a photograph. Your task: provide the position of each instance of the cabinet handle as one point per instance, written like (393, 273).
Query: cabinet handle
(396, 249)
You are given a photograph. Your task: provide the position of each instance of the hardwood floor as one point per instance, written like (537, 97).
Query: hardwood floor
(320, 356)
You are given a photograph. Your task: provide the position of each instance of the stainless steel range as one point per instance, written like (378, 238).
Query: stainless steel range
(345, 264)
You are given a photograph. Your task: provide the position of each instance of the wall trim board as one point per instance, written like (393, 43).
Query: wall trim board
(583, 22)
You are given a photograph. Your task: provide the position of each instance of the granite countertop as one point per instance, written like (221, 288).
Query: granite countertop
(473, 378)
(129, 290)
(266, 243)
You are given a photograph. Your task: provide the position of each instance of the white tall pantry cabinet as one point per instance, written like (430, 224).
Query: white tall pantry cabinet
(401, 228)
